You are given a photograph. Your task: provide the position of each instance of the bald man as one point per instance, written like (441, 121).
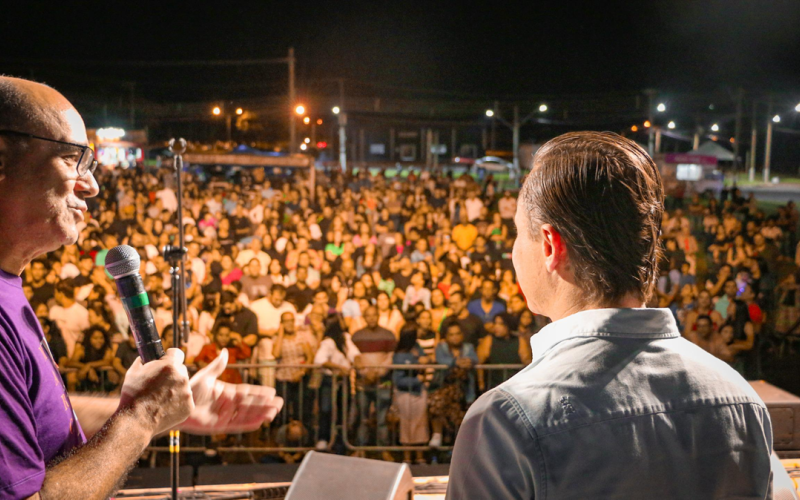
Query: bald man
(46, 175)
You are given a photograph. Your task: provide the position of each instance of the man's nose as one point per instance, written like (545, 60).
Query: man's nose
(87, 186)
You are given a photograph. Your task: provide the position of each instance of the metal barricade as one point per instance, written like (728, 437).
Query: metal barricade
(365, 422)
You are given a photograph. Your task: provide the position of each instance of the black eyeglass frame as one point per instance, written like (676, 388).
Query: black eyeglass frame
(92, 164)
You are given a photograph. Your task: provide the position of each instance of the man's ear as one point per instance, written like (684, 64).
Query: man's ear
(553, 248)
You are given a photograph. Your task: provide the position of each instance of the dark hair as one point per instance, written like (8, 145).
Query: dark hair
(508, 319)
(603, 194)
(705, 317)
(89, 352)
(739, 319)
(66, 288)
(335, 331)
(408, 337)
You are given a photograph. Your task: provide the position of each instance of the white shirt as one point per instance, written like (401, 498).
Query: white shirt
(329, 353)
(269, 317)
(198, 267)
(72, 321)
(256, 214)
(168, 199)
(246, 255)
(474, 206)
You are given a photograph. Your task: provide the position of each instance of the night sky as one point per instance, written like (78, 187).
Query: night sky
(492, 50)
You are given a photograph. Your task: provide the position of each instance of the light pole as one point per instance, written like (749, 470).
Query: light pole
(768, 145)
(514, 126)
(342, 118)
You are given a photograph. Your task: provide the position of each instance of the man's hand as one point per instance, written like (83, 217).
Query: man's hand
(158, 391)
(222, 408)
(464, 363)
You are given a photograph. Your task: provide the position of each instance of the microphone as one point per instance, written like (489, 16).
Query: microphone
(122, 262)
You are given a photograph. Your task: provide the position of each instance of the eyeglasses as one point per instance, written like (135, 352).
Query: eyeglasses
(87, 163)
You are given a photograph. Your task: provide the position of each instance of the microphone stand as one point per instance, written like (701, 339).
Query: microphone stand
(176, 256)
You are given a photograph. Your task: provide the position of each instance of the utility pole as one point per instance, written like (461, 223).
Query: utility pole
(753, 137)
(738, 131)
(650, 136)
(342, 141)
(341, 92)
(768, 151)
(133, 105)
(494, 126)
(292, 97)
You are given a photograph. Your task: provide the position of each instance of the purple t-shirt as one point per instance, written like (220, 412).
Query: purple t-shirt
(37, 423)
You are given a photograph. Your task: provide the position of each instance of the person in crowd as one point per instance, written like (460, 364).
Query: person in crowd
(124, 356)
(71, 317)
(93, 358)
(410, 395)
(254, 284)
(225, 339)
(292, 348)
(389, 316)
(377, 346)
(487, 306)
(501, 347)
(337, 354)
(472, 327)
(417, 293)
(456, 386)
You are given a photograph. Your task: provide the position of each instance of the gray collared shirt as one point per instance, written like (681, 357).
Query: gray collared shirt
(615, 405)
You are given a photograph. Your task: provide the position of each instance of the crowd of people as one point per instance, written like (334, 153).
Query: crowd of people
(369, 273)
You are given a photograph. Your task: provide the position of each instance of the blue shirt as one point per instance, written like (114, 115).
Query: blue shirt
(476, 308)
(615, 405)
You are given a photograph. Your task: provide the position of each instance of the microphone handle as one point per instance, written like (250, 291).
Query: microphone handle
(137, 307)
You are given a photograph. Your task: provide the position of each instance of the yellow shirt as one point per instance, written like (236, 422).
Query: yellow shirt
(464, 235)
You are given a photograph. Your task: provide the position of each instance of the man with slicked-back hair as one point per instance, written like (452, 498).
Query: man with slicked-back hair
(615, 404)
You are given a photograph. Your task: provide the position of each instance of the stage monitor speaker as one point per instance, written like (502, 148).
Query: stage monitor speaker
(334, 477)
(784, 412)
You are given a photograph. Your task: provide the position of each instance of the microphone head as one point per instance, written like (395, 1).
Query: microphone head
(122, 260)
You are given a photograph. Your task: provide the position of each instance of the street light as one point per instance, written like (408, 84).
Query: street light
(671, 125)
(776, 118)
(216, 111)
(489, 113)
(661, 107)
(647, 124)
(304, 146)
(306, 120)
(542, 108)
(319, 121)
(300, 109)
(797, 108)
(307, 140)
(634, 128)
(715, 128)
(336, 110)
(239, 111)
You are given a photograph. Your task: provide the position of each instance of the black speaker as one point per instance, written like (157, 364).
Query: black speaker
(334, 477)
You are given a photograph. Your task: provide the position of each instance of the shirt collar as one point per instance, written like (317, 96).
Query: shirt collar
(617, 323)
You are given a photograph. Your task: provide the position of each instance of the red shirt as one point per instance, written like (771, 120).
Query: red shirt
(209, 353)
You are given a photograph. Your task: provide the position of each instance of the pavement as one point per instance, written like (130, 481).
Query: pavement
(780, 192)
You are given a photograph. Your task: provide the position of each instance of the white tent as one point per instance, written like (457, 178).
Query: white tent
(712, 148)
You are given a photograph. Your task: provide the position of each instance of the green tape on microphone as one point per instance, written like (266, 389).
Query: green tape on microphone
(136, 301)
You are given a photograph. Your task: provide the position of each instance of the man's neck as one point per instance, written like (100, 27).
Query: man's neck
(67, 303)
(571, 302)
